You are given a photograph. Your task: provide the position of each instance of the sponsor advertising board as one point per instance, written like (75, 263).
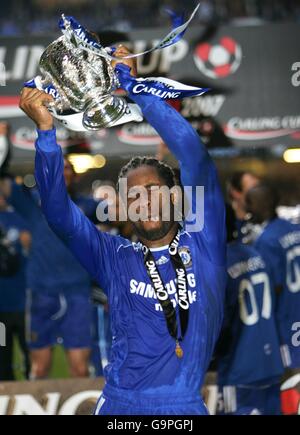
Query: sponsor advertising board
(253, 73)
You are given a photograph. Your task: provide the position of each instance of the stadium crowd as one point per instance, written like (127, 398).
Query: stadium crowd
(20, 17)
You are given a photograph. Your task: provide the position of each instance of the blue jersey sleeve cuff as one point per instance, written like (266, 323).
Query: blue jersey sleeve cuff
(46, 140)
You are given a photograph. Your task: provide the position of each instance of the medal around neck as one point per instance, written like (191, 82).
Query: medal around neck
(178, 350)
(177, 325)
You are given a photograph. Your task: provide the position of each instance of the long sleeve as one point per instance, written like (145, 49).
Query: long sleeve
(91, 247)
(197, 169)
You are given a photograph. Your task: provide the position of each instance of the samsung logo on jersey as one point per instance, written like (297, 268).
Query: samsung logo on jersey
(250, 265)
(147, 291)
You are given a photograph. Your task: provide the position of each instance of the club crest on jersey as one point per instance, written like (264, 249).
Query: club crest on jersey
(186, 257)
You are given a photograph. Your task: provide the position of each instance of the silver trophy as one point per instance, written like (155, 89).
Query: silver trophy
(83, 80)
(77, 72)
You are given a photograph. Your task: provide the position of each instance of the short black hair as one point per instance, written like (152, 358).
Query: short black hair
(164, 171)
(267, 195)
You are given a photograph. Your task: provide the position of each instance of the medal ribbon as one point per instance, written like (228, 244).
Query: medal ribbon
(176, 331)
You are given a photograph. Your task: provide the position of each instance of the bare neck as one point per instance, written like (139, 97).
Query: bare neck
(166, 240)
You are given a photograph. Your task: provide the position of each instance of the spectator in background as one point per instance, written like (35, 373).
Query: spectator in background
(238, 186)
(249, 361)
(59, 303)
(279, 245)
(15, 234)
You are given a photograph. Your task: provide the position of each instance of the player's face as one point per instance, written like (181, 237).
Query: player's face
(151, 212)
(249, 181)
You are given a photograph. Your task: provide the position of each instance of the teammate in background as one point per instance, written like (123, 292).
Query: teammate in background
(59, 304)
(239, 184)
(13, 289)
(279, 245)
(161, 349)
(249, 361)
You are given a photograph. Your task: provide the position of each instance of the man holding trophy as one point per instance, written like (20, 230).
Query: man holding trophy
(166, 291)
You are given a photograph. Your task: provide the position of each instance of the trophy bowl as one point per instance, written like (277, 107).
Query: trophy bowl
(84, 82)
(104, 112)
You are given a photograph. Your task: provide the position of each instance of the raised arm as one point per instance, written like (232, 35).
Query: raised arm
(196, 166)
(93, 249)
(183, 141)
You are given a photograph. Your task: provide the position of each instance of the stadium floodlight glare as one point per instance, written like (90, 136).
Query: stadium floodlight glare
(292, 155)
(83, 162)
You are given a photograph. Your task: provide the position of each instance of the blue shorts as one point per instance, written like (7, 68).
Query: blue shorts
(116, 401)
(59, 318)
(249, 400)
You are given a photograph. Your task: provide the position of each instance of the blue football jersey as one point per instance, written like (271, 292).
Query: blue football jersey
(143, 352)
(13, 288)
(51, 267)
(279, 245)
(252, 350)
